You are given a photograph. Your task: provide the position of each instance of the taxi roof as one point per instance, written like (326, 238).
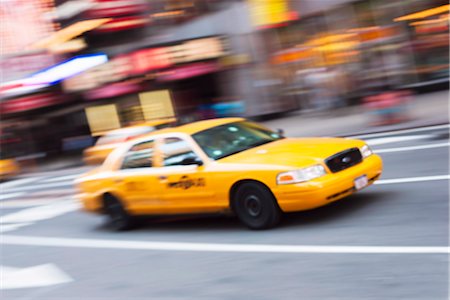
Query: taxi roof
(128, 129)
(195, 127)
(192, 128)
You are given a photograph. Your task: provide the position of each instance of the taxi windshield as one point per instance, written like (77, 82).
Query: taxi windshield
(225, 140)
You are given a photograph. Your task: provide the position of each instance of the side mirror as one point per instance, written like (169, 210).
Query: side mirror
(280, 132)
(191, 161)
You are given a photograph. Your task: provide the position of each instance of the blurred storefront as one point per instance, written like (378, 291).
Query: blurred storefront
(140, 60)
(340, 51)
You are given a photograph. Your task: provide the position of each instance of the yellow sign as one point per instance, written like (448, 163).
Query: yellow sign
(268, 12)
(156, 105)
(102, 118)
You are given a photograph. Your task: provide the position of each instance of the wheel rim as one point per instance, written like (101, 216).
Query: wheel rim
(253, 205)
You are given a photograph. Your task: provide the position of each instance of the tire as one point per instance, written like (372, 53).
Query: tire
(255, 206)
(118, 218)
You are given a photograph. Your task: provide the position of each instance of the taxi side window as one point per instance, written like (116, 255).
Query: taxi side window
(176, 152)
(139, 156)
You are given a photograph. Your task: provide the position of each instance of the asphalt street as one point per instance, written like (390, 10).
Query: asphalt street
(389, 241)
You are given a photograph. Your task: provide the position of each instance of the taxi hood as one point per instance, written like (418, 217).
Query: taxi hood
(294, 152)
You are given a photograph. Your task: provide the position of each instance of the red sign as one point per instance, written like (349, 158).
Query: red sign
(29, 103)
(111, 8)
(189, 71)
(150, 59)
(123, 23)
(113, 90)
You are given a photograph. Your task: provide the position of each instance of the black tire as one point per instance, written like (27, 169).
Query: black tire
(118, 218)
(255, 206)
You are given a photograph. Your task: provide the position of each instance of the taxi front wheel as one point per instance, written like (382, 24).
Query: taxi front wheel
(118, 218)
(255, 206)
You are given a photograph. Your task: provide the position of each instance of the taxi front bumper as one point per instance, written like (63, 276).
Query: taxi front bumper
(90, 202)
(328, 188)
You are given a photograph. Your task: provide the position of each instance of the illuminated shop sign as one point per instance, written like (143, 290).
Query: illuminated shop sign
(29, 103)
(190, 51)
(114, 70)
(113, 90)
(150, 59)
(188, 71)
(67, 69)
(146, 60)
(112, 8)
(270, 13)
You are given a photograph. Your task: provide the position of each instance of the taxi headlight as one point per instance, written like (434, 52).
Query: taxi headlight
(301, 175)
(366, 151)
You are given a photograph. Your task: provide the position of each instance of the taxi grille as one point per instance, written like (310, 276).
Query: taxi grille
(343, 160)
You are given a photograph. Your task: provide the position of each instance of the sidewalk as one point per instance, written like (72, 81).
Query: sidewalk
(425, 109)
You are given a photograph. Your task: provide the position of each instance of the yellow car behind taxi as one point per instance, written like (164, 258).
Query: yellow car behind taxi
(225, 165)
(108, 141)
(8, 168)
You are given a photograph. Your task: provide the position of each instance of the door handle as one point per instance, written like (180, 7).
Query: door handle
(162, 177)
(118, 180)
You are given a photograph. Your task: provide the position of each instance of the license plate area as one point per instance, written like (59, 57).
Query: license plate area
(360, 182)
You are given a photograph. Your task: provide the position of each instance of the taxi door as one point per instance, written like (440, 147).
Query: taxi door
(184, 185)
(137, 179)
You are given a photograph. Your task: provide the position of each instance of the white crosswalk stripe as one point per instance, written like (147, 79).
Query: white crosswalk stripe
(27, 201)
(396, 139)
(11, 195)
(17, 182)
(62, 178)
(11, 204)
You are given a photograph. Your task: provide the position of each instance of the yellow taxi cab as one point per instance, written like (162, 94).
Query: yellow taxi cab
(228, 165)
(8, 168)
(107, 142)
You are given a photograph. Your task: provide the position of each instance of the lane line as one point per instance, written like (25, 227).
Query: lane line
(42, 186)
(413, 179)
(37, 276)
(62, 178)
(12, 227)
(394, 132)
(20, 203)
(213, 247)
(396, 139)
(11, 195)
(411, 148)
(41, 212)
(16, 182)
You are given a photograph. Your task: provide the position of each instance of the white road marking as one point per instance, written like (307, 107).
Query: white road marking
(62, 178)
(41, 213)
(394, 132)
(42, 186)
(396, 139)
(12, 227)
(25, 203)
(37, 276)
(9, 184)
(411, 148)
(413, 179)
(10, 195)
(213, 247)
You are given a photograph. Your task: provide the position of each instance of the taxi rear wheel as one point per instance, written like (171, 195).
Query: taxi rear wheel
(255, 206)
(118, 217)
